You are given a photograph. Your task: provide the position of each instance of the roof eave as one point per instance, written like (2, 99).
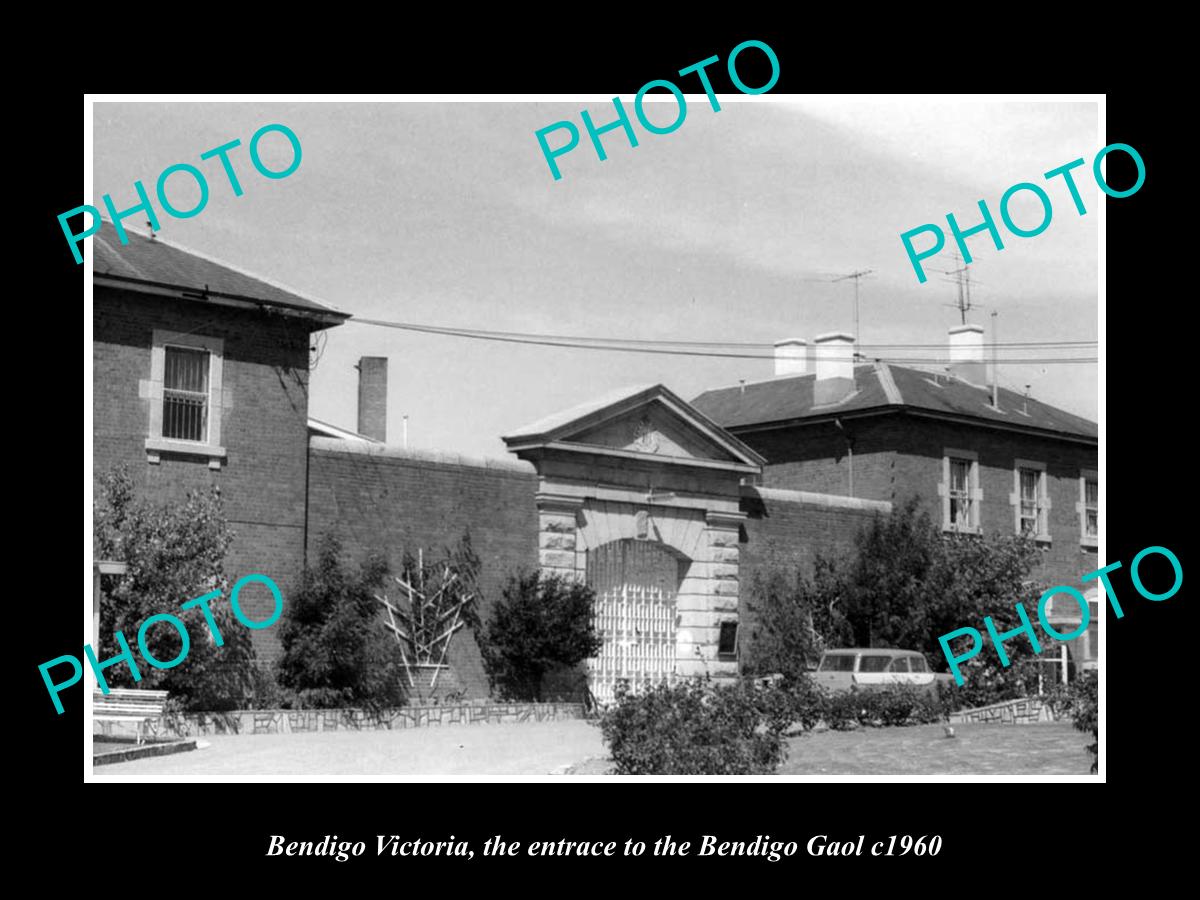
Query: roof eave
(916, 411)
(328, 316)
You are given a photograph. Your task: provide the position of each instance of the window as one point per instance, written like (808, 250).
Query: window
(727, 642)
(959, 490)
(838, 662)
(899, 664)
(918, 663)
(873, 663)
(1031, 500)
(1089, 509)
(184, 394)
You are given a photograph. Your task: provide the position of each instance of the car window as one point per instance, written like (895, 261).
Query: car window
(874, 663)
(917, 663)
(899, 664)
(841, 662)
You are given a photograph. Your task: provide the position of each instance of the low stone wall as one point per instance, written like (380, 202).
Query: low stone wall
(1027, 711)
(296, 721)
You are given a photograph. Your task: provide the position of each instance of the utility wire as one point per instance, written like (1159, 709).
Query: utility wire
(655, 347)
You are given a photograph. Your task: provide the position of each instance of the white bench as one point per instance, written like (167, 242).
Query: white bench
(128, 705)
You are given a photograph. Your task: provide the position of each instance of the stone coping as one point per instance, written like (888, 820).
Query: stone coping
(296, 721)
(814, 499)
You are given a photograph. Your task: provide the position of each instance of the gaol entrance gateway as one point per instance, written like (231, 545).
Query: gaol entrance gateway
(638, 495)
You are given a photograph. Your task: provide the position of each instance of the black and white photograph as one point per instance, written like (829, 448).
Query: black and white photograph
(698, 432)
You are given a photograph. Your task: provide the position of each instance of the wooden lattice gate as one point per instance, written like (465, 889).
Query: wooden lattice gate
(636, 583)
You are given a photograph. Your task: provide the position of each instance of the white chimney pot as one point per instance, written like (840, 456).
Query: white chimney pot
(791, 357)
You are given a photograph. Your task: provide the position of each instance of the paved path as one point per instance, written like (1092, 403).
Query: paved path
(528, 748)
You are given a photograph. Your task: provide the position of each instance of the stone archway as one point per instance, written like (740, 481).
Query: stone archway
(637, 588)
(645, 468)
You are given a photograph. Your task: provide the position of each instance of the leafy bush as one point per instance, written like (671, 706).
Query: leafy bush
(335, 652)
(906, 584)
(893, 706)
(174, 553)
(542, 624)
(1080, 702)
(788, 702)
(693, 728)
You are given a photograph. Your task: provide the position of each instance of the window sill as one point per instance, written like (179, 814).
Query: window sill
(961, 529)
(156, 447)
(1091, 545)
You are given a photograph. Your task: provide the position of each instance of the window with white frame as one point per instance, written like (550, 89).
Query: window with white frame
(1089, 508)
(960, 491)
(184, 392)
(1031, 499)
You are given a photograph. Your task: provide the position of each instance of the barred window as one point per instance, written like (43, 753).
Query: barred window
(185, 394)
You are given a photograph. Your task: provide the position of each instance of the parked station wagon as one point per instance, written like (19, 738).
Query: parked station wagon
(867, 668)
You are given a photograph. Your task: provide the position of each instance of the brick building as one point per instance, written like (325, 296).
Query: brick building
(668, 509)
(201, 378)
(979, 457)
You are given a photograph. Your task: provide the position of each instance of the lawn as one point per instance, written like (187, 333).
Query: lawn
(1053, 748)
(526, 748)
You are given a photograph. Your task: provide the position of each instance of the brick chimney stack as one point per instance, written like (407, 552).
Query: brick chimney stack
(372, 397)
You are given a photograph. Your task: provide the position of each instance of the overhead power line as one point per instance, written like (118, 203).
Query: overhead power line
(631, 345)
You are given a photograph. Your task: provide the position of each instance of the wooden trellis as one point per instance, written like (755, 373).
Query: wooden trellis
(425, 618)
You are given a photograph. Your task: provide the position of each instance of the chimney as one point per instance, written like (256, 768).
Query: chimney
(372, 397)
(834, 354)
(966, 354)
(791, 357)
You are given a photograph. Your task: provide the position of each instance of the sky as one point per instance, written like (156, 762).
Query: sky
(727, 229)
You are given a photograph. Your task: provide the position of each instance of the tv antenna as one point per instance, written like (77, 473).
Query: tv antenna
(856, 276)
(961, 277)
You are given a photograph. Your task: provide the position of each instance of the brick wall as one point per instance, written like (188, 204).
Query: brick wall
(896, 456)
(390, 499)
(263, 425)
(785, 534)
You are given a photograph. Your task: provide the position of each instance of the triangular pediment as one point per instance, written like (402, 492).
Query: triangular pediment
(646, 423)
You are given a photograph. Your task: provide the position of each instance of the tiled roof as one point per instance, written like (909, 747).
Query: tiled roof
(161, 263)
(880, 386)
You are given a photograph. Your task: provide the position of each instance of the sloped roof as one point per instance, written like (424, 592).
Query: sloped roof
(160, 263)
(582, 418)
(882, 387)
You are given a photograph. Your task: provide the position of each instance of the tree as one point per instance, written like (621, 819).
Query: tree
(541, 623)
(335, 651)
(174, 553)
(905, 585)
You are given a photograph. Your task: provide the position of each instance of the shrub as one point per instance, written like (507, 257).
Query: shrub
(843, 710)
(335, 651)
(174, 553)
(905, 585)
(543, 623)
(1080, 702)
(692, 728)
(791, 701)
(893, 706)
